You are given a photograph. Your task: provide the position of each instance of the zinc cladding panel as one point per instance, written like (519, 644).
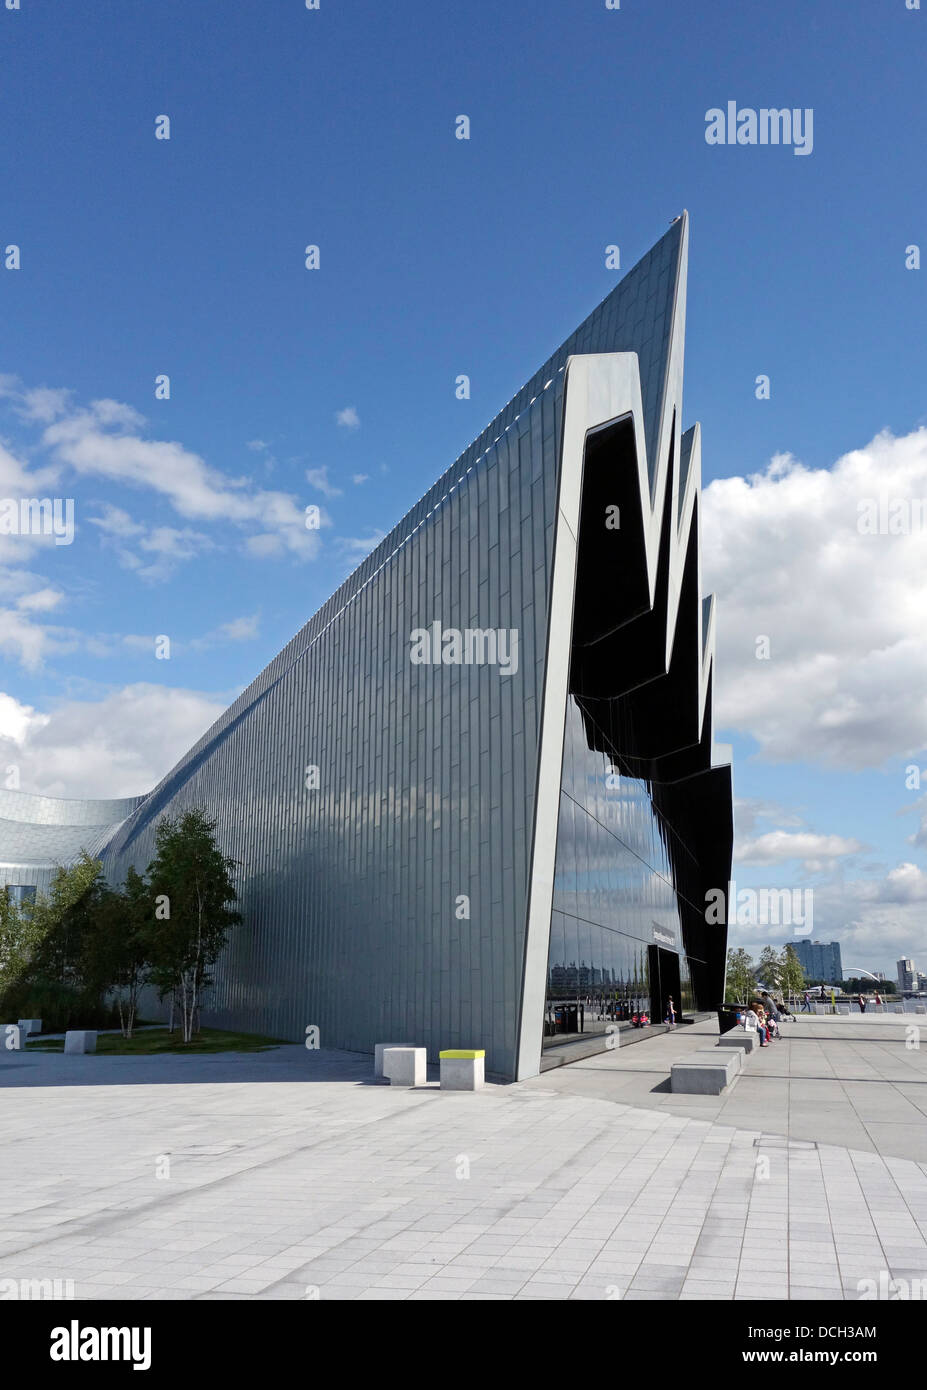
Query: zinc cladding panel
(349, 924)
(616, 325)
(349, 891)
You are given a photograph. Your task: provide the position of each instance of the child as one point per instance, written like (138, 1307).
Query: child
(753, 1024)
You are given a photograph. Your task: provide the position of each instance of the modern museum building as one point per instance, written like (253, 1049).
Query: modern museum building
(476, 801)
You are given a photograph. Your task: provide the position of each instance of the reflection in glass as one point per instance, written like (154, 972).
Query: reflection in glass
(613, 885)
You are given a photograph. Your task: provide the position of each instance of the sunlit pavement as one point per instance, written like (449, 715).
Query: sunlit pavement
(288, 1174)
(848, 1080)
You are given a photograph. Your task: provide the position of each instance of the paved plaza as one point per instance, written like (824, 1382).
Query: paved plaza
(860, 1083)
(290, 1174)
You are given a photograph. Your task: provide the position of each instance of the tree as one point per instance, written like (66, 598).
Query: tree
(61, 921)
(118, 946)
(191, 891)
(769, 967)
(43, 946)
(16, 939)
(740, 984)
(792, 976)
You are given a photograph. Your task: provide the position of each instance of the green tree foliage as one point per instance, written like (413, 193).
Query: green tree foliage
(769, 967)
(792, 976)
(62, 920)
(42, 946)
(740, 983)
(16, 939)
(192, 888)
(118, 946)
(84, 943)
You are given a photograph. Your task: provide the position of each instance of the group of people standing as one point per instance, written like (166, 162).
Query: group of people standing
(821, 994)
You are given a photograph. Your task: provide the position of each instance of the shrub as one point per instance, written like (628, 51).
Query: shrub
(59, 1006)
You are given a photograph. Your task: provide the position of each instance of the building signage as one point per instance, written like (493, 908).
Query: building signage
(663, 936)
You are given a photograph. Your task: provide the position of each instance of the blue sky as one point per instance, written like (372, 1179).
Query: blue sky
(441, 257)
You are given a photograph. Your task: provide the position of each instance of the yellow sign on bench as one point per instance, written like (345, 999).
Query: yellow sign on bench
(457, 1052)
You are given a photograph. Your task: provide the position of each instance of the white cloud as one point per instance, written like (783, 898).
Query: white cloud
(749, 811)
(348, 418)
(846, 684)
(240, 629)
(779, 846)
(121, 745)
(40, 601)
(38, 403)
(876, 920)
(105, 440)
(358, 478)
(318, 478)
(904, 884)
(354, 548)
(169, 544)
(45, 403)
(116, 522)
(28, 642)
(19, 480)
(17, 719)
(264, 546)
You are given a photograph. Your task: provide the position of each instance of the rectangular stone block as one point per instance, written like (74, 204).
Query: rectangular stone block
(708, 1057)
(80, 1040)
(378, 1051)
(406, 1066)
(705, 1073)
(462, 1069)
(739, 1037)
(30, 1025)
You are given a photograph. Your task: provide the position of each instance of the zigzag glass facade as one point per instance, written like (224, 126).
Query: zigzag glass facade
(615, 898)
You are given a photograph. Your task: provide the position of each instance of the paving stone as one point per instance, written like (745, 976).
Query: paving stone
(352, 1189)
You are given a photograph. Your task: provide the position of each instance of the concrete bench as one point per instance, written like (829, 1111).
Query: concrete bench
(406, 1066)
(80, 1040)
(739, 1037)
(705, 1073)
(462, 1069)
(843, 1008)
(378, 1051)
(11, 1037)
(30, 1025)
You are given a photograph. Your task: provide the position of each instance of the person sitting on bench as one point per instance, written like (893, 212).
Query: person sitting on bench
(753, 1025)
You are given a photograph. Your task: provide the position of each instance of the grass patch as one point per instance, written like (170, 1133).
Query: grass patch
(155, 1040)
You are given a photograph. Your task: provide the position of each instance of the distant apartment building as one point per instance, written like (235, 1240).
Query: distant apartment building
(820, 960)
(907, 975)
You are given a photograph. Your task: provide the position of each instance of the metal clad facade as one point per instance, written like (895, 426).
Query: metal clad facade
(427, 773)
